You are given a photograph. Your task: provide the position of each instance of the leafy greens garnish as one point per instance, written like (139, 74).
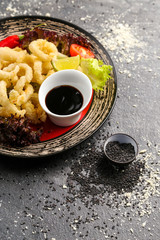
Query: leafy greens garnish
(97, 72)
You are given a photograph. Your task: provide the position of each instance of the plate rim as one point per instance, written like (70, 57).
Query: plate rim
(109, 58)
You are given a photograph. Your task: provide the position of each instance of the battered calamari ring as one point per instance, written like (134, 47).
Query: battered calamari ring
(9, 73)
(7, 108)
(18, 99)
(41, 115)
(27, 75)
(43, 49)
(34, 113)
(8, 54)
(46, 67)
(37, 72)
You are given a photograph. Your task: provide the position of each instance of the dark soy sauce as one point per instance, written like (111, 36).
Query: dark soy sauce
(64, 100)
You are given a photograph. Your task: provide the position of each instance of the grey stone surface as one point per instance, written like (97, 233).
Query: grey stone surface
(77, 195)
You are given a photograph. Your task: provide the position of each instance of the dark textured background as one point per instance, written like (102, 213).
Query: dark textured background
(77, 195)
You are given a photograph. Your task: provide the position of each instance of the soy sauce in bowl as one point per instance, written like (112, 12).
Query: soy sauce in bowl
(73, 94)
(64, 100)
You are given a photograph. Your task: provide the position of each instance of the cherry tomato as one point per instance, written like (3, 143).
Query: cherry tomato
(76, 49)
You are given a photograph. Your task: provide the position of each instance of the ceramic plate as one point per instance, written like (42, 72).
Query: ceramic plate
(102, 101)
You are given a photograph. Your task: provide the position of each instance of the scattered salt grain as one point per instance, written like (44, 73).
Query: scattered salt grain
(143, 224)
(48, 14)
(142, 151)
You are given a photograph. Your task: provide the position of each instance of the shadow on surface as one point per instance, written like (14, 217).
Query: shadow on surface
(31, 164)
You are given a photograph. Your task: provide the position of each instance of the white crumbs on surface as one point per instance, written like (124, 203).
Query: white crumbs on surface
(64, 186)
(86, 18)
(121, 36)
(121, 39)
(147, 187)
(11, 9)
(48, 14)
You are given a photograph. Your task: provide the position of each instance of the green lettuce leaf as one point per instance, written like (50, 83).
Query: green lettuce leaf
(97, 72)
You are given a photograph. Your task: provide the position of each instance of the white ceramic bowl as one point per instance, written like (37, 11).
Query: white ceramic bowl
(68, 77)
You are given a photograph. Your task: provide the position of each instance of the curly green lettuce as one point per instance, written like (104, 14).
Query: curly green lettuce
(97, 72)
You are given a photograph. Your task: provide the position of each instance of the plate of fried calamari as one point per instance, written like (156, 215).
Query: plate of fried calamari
(30, 47)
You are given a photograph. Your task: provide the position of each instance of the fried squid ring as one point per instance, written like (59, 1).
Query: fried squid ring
(8, 54)
(9, 74)
(27, 75)
(18, 99)
(7, 108)
(37, 72)
(43, 49)
(34, 112)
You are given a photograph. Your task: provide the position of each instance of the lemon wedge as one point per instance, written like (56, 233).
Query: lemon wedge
(66, 63)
